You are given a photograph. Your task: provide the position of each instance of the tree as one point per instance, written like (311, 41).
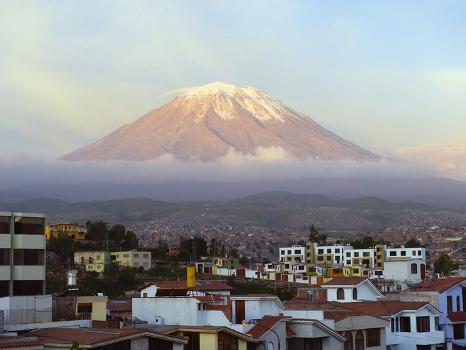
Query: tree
(131, 241)
(316, 237)
(413, 243)
(63, 246)
(97, 231)
(444, 264)
(193, 248)
(364, 243)
(117, 234)
(127, 277)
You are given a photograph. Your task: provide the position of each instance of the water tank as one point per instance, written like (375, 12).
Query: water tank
(72, 278)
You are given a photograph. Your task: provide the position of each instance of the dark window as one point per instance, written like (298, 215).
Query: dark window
(403, 253)
(423, 324)
(458, 303)
(356, 254)
(405, 324)
(355, 294)
(337, 251)
(449, 303)
(413, 268)
(29, 226)
(373, 337)
(424, 347)
(348, 254)
(393, 253)
(365, 254)
(84, 307)
(28, 287)
(320, 251)
(458, 331)
(304, 343)
(4, 225)
(397, 325)
(437, 323)
(193, 341)
(359, 341)
(160, 344)
(29, 257)
(329, 251)
(340, 294)
(349, 341)
(227, 342)
(4, 288)
(4, 256)
(463, 294)
(392, 323)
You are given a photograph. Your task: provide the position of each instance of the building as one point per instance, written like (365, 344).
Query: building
(173, 250)
(75, 231)
(206, 337)
(409, 270)
(121, 339)
(292, 254)
(22, 254)
(351, 289)
(132, 258)
(96, 260)
(179, 288)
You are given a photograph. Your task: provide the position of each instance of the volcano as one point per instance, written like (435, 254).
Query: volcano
(206, 122)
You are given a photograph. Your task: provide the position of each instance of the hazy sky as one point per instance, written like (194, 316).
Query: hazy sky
(384, 74)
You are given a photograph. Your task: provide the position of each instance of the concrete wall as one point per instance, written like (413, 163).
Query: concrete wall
(208, 341)
(171, 310)
(26, 309)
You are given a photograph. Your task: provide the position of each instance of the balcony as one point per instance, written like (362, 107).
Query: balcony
(29, 242)
(28, 273)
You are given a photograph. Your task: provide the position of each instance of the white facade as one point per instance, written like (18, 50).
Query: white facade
(413, 253)
(257, 307)
(404, 270)
(293, 253)
(364, 291)
(365, 257)
(333, 252)
(403, 333)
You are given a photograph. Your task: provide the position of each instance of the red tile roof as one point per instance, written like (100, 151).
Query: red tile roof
(119, 305)
(12, 342)
(459, 316)
(439, 284)
(383, 308)
(264, 325)
(201, 285)
(345, 281)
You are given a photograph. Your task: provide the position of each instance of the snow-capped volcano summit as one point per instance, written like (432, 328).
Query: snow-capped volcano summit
(205, 122)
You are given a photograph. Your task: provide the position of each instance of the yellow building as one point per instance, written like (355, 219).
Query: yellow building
(95, 305)
(211, 337)
(96, 261)
(75, 231)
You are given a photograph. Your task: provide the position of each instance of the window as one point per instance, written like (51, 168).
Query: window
(423, 324)
(320, 251)
(413, 253)
(85, 307)
(337, 251)
(373, 337)
(365, 254)
(329, 251)
(4, 256)
(359, 341)
(419, 252)
(397, 325)
(28, 257)
(340, 294)
(329, 258)
(414, 269)
(458, 331)
(4, 225)
(349, 341)
(356, 254)
(458, 303)
(348, 254)
(392, 325)
(289, 251)
(227, 342)
(193, 341)
(348, 262)
(405, 324)
(392, 253)
(355, 294)
(28, 287)
(320, 258)
(29, 226)
(437, 323)
(449, 303)
(136, 255)
(403, 253)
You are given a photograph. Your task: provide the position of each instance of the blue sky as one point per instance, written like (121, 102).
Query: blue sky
(386, 74)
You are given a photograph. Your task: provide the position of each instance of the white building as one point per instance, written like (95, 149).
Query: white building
(329, 255)
(413, 253)
(408, 270)
(363, 257)
(293, 254)
(22, 254)
(351, 289)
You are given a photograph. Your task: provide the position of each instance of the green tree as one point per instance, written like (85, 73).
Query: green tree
(131, 241)
(316, 237)
(364, 243)
(413, 243)
(127, 277)
(117, 234)
(97, 231)
(444, 264)
(63, 246)
(193, 246)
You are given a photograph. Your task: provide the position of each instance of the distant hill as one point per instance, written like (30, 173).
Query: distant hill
(277, 209)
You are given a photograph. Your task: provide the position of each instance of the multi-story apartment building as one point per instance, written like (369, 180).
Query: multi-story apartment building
(96, 261)
(75, 231)
(22, 254)
(293, 254)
